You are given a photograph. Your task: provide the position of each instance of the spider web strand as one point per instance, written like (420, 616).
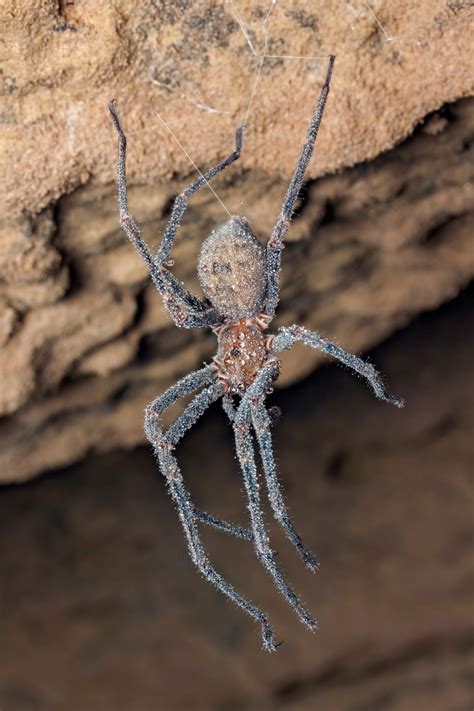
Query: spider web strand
(191, 160)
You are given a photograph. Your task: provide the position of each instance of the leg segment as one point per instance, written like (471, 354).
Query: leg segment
(186, 385)
(175, 296)
(261, 423)
(180, 204)
(181, 201)
(289, 335)
(245, 453)
(225, 526)
(186, 514)
(163, 444)
(228, 407)
(274, 412)
(275, 243)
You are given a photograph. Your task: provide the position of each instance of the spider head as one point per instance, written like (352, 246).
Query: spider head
(231, 270)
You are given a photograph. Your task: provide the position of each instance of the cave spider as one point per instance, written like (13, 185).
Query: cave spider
(240, 279)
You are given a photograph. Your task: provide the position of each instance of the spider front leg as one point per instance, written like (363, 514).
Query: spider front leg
(245, 453)
(275, 243)
(186, 309)
(163, 444)
(289, 335)
(181, 201)
(180, 204)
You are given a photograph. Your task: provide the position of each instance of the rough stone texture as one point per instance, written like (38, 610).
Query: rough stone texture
(63, 61)
(102, 608)
(84, 341)
(371, 247)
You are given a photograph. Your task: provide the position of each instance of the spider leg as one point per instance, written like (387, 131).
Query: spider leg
(174, 294)
(218, 523)
(245, 453)
(163, 444)
(261, 423)
(275, 243)
(186, 385)
(289, 335)
(228, 407)
(225, 526)
(274, 412)
(181, 201)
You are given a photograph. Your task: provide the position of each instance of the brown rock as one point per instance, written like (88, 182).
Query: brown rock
(370, 248)
(64, 62)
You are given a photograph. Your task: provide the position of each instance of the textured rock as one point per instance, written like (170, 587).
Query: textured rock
(62, 62)
(102, 607)
(84, 341)
(370, 248)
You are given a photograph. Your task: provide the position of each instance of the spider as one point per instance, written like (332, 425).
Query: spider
(240, 279)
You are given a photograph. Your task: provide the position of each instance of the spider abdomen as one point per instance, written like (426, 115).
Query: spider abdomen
(240, 355)
(231, 270)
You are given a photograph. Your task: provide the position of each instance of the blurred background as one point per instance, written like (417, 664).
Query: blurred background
(100, 605)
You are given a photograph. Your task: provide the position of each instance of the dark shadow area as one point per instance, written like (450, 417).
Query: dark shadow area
(101, 608)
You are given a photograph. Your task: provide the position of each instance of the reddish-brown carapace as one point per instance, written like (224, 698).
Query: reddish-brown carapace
(242, 349)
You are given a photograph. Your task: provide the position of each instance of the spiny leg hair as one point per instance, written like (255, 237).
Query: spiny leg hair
(263, 420)
(274, 412)
(231, 528)
(289, 335)
(183, 387)
(228, 407)
(163, 444)
(262, 423)
(181, 201)
(275, 243)
(195, 314)
(251, 420)
(176, 432)
(180, 204)
(245, 454)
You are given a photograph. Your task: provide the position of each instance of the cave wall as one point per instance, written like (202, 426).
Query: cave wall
(85, 342)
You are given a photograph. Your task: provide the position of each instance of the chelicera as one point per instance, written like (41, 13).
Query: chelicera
(240, 279)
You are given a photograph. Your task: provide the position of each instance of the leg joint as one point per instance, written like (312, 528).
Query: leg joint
(163, 443)
(241, 427)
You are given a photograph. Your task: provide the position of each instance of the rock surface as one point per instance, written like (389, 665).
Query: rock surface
(63, 61)
(84, 340)
(102, 608)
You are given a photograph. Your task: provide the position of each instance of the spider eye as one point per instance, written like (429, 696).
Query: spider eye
(221, 267)
(235, 352)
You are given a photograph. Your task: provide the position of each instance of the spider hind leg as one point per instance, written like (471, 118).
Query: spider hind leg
(163, 444)
(245, 454)
(262, 423)
(188, 519)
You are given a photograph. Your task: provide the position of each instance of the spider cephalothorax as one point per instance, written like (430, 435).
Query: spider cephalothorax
(240, 279)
